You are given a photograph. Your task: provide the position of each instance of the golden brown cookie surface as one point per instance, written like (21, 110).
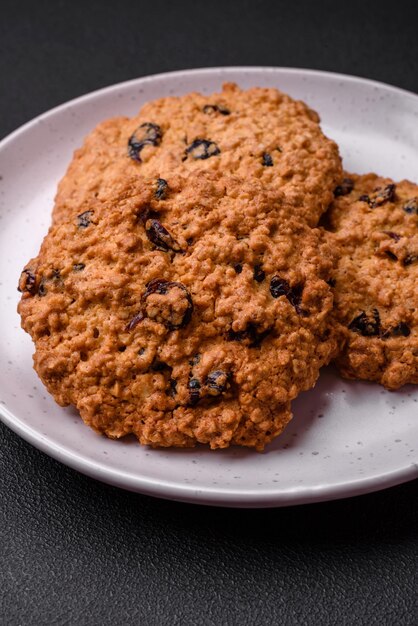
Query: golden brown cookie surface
(376, 293)
(258, 134)
(193, 315)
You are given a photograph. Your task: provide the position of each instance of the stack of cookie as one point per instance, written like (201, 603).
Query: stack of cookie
(184, 292)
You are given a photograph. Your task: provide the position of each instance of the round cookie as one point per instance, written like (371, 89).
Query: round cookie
(376, 282)
(196, 315)
(258, 134)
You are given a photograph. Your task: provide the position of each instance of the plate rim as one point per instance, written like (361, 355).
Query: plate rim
(206, 496)
(173, 490)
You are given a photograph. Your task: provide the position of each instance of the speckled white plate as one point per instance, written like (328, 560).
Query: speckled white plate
(346, 438)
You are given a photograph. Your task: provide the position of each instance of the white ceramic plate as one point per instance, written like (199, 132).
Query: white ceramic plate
(346, 438)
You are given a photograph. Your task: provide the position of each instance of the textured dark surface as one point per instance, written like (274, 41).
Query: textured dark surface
(74, 551)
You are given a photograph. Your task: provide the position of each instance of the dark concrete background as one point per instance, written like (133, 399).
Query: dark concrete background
(74, 551)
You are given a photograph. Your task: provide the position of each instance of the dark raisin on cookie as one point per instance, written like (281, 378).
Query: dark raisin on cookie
(78, 267)
(195, 360)
(172, 388)
(366, 325)
(160, 237)
(56, 274)
(161, 190)
(411, 206)
(146, 134)
(387, 194)
(401, 330)
(238, 268)
(252, 334)
(83, 220)
(27, 282)
(259, 274)
(135, 321)
(216, 108)
(409, 259)
(391, 255)
(381, 196)
(202, 149)
(194, 391)
(345, 188)
(266, 159)
(162, 287)
(331, 282)
(217, 382)
(42, 291)
(280, 287)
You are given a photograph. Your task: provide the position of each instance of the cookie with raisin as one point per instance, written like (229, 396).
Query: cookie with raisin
(375, 223)
(187, 312)
(259, 134)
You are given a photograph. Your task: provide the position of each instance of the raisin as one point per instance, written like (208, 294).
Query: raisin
(280, 287)
(331, 282)
(42, 291)
(56, 274)
(251, 333)
(172, 388)
(381, 195)
(238, 268)
(78, 267)
(202, 149)
(366, 325)
(259, 274)
(122, 348)
(392, 235)
(391, 255)
(401, 330)
(410, 258)
(195, 360)
(162, 188)
(162, 287)
(83, 220)
(194, 391)
(216, 108)
(27, 282)
(217, 382)
(160, 237)
(266, 159)
(146, 134)
(345, 188)
(411, 206)
(387, 194)
(135, 321)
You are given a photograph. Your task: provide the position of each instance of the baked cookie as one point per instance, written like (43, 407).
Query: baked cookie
(376, 283)
(185, 313)
(258, 134)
